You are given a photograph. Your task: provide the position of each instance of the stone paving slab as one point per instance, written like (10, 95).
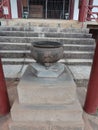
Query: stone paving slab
(80, 72)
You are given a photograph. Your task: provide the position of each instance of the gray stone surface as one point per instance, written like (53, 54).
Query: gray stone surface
(78, 54)
(43, 34)
(37, 90)
(14, 71)
(15, 42)
(44, 126)
(68, 113)
(52, 71)
(80, 72)
(79, 47)
(82, 82)
(49, 112)
(33, 39)
(43, 29)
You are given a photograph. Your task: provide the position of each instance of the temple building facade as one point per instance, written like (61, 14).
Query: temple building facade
(44, 9)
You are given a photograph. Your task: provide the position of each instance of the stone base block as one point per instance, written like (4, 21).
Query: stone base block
(45, 126)
(36, 90)
(44, 113)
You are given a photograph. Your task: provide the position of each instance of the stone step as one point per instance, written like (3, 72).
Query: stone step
(78, 54)
(86, 62)
(15, 53)
(43, 29)
(83, 41)
(78, 47)
(42, 23)
(47, 113)
(45, 125)
(27, 46)
(14, 46)
(44, 34)
(20, 61)
(27, 54)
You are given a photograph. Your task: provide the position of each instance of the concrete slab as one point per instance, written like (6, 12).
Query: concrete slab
(38, 90)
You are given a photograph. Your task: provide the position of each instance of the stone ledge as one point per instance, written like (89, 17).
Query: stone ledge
(43, 113)
(45, 126)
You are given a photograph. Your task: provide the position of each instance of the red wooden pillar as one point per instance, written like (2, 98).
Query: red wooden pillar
(91, 103)
(7, 4)
(19, 5)
(71, 9)
(82, 10)
(4, 101)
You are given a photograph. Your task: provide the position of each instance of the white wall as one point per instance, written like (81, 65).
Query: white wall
(76, 10)
(14, 10)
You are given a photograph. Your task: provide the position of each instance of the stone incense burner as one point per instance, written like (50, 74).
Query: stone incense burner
(46, 52)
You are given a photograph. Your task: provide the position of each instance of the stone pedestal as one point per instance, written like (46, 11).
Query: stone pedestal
(46, 103)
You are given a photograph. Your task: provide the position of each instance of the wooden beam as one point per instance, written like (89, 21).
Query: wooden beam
(71, 9)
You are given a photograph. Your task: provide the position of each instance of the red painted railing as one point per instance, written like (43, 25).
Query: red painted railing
(1, 9)
(86, 12)
(90, 14)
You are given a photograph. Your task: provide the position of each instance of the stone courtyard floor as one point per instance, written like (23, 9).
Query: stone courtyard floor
(91, 122)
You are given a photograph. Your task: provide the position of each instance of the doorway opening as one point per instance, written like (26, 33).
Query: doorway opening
(49, 9)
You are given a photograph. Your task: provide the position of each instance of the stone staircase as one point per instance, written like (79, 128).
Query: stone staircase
(15, 42)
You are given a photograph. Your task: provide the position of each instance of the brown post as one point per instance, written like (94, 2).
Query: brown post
(19, 5)
(71, 9)
(4, 101)
(91, 103)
